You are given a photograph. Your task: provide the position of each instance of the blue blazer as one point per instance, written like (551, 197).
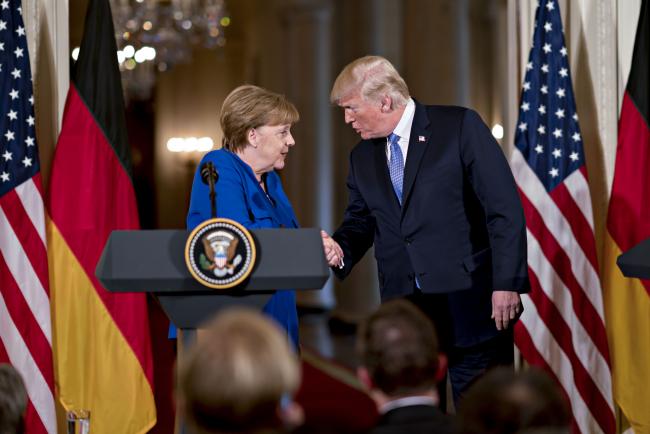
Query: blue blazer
(241, 198)
(461, 228)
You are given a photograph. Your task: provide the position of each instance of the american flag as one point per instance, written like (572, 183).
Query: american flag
(562, 328)
(25, 327)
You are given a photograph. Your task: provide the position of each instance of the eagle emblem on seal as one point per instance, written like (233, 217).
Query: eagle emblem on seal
(218, 257)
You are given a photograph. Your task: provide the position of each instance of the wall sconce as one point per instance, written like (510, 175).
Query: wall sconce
(190, 144)
(497, 131)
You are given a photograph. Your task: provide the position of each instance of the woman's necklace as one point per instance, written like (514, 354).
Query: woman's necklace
(264, 188)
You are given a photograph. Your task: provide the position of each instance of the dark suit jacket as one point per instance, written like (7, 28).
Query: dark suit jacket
(415, 419)
(461, 228)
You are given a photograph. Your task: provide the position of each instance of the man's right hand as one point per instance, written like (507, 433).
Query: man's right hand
(333, 252)
(506, 306)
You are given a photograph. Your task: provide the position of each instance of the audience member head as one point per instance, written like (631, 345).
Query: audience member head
(13, 400)
(238, 377)
(398, 351)
(505, 402)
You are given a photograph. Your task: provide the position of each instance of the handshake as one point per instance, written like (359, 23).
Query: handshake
(333, 252)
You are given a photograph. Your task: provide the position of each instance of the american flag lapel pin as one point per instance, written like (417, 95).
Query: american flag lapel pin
(422, 139)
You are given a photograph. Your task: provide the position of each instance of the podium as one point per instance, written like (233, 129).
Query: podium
(153, 261)
(636, 261)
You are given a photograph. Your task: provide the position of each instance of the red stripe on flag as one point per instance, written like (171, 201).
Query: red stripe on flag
(27, 235)
(104, 204)
(26, 324)
(39, 184)
(583, 381)
(561, 262)
(579, 225)
(4, 357)
(529, 351)
(33, 420)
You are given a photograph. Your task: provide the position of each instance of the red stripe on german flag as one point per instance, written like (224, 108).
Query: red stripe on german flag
(628, 220)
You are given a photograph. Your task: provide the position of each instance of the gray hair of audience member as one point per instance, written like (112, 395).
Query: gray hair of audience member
(248, 107)
(373, 77)
(398, 346)
(13, 400)
(506, 402)
(234, 378)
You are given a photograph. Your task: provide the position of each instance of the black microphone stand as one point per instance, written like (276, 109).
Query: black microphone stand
(210, 177)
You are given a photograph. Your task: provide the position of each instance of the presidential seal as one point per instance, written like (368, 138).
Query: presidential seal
(220, 253)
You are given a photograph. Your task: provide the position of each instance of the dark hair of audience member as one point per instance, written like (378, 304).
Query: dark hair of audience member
(398, 346)
(505, 402)
(13, 400)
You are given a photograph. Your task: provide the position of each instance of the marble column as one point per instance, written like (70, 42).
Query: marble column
(309, 173)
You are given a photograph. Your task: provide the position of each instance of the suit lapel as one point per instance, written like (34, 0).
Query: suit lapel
(418, 143)
(381, 168)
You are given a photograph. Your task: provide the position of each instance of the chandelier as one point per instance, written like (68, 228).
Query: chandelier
(154, 35)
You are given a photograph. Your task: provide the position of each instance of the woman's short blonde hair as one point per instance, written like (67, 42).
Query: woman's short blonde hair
(373, 77)
(234, 377)
(249, 107)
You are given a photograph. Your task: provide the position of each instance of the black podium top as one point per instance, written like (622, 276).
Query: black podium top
(636, 261)
(153, 261)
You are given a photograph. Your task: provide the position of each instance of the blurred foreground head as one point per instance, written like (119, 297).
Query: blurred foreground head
(504, 402)
(398, 350)
(13, 400)
(234, 379)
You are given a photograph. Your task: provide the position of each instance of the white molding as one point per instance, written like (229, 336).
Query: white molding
(628, 20)
(57, 13)
(50, 16)
(599, 31)
(30, 18)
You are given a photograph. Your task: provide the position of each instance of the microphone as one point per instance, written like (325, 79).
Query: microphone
(209, 173)
(210, 176)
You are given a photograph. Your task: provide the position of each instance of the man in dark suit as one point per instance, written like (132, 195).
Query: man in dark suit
(400, 366)
(431, 189)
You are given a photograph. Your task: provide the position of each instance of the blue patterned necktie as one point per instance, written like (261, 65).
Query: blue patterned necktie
(396, 165)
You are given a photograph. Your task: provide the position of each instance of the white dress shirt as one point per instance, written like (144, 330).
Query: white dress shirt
(407, 402)
(403, 130)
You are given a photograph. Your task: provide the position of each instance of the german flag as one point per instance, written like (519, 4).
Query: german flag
(102, 347)
(627, 301)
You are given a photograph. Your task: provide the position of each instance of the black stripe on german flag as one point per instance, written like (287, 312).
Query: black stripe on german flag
(96, 75)
(638, 82)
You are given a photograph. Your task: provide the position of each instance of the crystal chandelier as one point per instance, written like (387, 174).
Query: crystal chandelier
(154, 35)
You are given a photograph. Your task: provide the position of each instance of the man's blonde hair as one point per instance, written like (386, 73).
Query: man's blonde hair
(373, 77)
(249, 107)
(234, 377)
